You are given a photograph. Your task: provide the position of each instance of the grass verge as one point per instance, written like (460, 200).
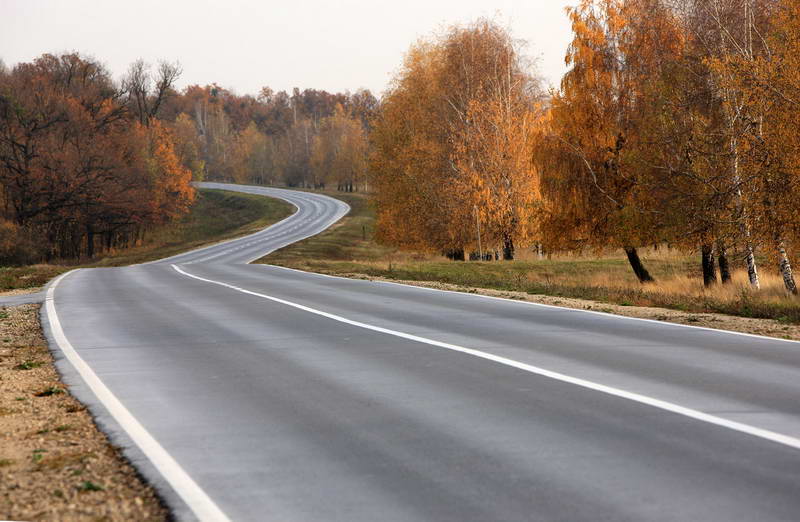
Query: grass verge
(54, 463)
(348, 249)
(217, 215)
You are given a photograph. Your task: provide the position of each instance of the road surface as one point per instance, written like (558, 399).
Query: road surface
(251, 392)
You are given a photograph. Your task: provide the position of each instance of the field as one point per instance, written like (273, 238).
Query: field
(348, 249)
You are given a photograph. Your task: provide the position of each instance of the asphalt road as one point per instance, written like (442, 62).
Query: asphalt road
(260, 393)
(16, 300)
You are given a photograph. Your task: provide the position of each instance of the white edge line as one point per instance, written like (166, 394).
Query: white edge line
(531, 303)
(609, 390)
(197, 500)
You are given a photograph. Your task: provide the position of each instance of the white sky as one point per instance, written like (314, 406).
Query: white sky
(244, 45)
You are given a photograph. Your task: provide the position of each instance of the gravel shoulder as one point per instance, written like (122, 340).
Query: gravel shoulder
(54, 462)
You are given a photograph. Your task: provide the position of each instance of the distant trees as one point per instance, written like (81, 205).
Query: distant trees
(275, 137)
(78, 170)
(339, 152)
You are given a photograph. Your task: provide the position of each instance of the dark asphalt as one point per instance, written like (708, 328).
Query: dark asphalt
(282, 414)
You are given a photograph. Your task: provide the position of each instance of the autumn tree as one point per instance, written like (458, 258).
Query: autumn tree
(75, 165)
(457, 98)
(756, 72)
(147, 92)
(188, 146)
(339, 152)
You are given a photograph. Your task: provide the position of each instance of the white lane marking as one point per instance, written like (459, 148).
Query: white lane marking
(198, 501)
(530, 303)
(341, 210)
(291, 197)
(636, 397)
(219, 244)
(295, 198)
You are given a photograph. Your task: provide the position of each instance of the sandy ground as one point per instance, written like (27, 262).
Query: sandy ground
(766, 327)
(54, 463)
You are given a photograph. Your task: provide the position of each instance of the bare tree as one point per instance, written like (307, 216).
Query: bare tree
(146, 93)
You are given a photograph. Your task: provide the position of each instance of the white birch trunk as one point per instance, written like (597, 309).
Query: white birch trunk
(786, 269)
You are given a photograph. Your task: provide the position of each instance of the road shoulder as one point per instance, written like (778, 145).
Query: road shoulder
(54, 462)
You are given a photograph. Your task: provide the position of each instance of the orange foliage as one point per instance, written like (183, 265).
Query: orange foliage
(453, 143)
(75, 165)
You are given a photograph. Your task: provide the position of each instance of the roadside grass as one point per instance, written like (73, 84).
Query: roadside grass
(348, 249)
(217, 215)
(349, 240)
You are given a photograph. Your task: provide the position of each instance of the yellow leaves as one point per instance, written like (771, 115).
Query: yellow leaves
(455, 132)
(339, 151)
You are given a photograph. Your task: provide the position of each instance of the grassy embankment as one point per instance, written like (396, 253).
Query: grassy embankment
(348, 249)
(217, 215)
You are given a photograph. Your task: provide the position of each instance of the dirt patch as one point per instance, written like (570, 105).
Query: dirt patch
(54, 463)
(766, 327)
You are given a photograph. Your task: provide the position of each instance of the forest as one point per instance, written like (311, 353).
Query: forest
(674, 126)
(89, 165)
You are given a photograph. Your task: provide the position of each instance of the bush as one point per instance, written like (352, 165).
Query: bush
(18, 245)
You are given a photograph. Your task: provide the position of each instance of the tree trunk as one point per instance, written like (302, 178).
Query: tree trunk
(786, 269)
(508, 249)
(752, 268)
(638, 268)
(709, 268)
(456, 254)
(724, 267)
(89, 241)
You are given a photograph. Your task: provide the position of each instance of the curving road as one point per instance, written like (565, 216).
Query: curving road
(249, 392)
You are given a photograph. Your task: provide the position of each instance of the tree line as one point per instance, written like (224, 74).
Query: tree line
(306, 139)
(675, 124)
(83, 162)
(88, 164)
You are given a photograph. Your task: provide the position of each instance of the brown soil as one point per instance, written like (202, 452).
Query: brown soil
(54, 462)
(766, 327)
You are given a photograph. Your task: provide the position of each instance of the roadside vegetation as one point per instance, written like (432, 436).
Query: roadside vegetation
(216, 215)
(349, 249)
(672, 126)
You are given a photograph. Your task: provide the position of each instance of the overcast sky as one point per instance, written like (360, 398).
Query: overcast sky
(245, 45)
